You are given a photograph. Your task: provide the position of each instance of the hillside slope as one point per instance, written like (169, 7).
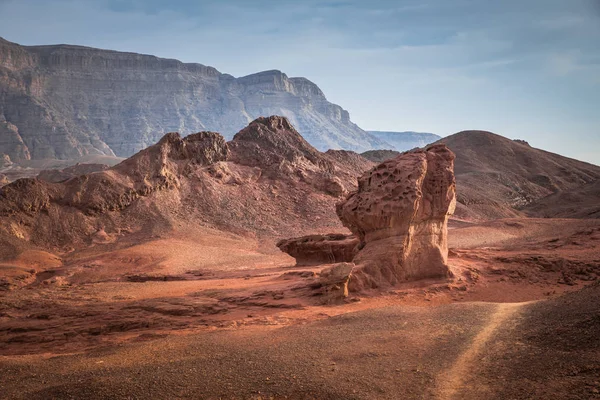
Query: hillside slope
(497, 177)
(581, 202)
(67, 101)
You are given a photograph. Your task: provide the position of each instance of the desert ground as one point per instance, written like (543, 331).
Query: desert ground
(202, 314)
(161, 277)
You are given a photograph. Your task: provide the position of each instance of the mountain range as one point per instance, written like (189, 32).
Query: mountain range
(65, 102)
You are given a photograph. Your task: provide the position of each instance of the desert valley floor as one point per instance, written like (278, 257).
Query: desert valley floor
(203, 314)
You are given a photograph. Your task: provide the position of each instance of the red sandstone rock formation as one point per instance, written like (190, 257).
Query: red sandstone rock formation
(272, 144)
(321, 249)
(400, 214)
(197, 180)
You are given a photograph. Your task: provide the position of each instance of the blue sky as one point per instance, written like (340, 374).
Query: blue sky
(526, 69)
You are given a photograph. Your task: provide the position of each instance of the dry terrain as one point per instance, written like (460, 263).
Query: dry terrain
(201, 314)
(160, 277)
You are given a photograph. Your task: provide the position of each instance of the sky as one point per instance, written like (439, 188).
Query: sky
(526, 69)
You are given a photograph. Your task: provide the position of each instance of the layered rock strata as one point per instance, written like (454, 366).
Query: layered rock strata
(64, 102)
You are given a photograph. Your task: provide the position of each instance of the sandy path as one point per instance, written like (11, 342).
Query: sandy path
(451, 381)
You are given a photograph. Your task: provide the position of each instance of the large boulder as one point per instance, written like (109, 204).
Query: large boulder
(321, 249)
(400, 215)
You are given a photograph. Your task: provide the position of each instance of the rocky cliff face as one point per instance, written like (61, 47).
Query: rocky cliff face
(67, 101)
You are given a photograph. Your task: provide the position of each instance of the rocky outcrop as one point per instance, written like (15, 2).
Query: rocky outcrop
(66, 101)
(3, 180)
(199, 180)
(321, 249)
(333, 282)
(5, 161)
(11, 142)
(275, 146)
(400, 214)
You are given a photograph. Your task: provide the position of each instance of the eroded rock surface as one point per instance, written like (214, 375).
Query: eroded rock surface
(321, 249)
(333, 282)
(400, 214)
(273, 145)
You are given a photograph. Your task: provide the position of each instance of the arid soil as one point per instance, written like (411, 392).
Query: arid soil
(203, 314)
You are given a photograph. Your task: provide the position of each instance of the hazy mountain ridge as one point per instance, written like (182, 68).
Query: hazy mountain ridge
(66, 101)
(402, 141)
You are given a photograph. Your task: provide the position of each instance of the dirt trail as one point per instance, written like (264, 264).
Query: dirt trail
(451, 381)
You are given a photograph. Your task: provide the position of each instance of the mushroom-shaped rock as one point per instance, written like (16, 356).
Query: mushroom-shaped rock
(400, 214)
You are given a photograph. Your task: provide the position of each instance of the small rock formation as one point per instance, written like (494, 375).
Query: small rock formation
(400, 215)
(321, 249)
(521, 141)
(3, 180)
(333, 282)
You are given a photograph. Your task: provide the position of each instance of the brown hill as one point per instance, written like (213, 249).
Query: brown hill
(496, 177)
(266, 181)
(501, 178)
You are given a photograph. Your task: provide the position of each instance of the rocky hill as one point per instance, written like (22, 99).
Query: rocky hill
(402, 141)
(267, 181)
(498, 177)
(65, 101)
(502, 178)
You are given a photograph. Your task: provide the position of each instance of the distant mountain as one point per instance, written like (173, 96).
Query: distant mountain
(379, 156)
(64, 102)
(402, 141)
